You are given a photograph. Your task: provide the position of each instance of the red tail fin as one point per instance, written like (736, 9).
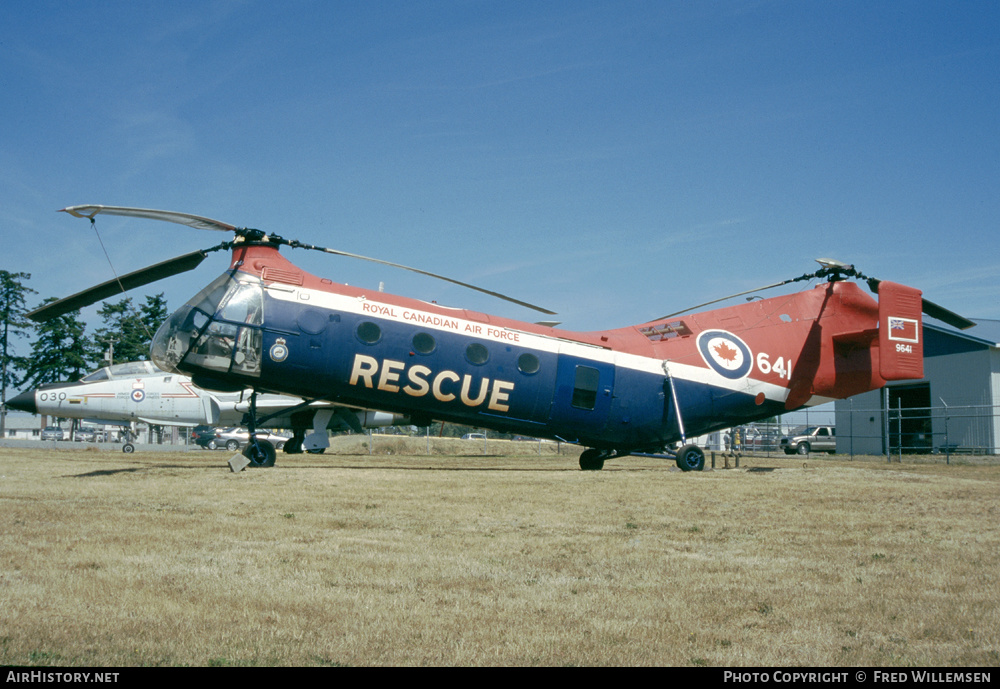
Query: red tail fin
(900, 332)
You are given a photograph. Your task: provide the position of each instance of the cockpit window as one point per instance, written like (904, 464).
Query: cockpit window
(218, 330)
(129, 369)
(99, 374)
(209, 298)
(133, 369)
(242, 304)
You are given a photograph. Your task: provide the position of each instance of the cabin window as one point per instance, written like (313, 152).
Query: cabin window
(369, 333)
(477, 354)
(585, 387)
(528, 363)
(423, 343)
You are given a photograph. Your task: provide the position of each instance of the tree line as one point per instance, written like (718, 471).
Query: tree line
(60, 349)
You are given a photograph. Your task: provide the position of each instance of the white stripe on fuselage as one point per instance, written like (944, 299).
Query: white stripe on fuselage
(407, 315)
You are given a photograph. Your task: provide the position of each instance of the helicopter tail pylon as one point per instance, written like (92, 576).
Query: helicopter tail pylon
(900, 335)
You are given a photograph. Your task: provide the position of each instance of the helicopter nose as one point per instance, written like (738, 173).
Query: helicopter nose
(24, 402)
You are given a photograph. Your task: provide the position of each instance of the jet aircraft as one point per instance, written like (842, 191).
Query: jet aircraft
(140, 391)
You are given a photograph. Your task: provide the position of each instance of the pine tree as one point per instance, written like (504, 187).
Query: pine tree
(13, 296)
(130, 331)
(59, 353)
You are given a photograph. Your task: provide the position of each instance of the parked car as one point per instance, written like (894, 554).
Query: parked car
(204, 436)
(474, 436)
(767, 441)
(812, 439)
(234, 439)
(52, 433)
(85, 434)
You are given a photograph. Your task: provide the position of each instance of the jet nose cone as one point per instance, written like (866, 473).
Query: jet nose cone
(24, 402)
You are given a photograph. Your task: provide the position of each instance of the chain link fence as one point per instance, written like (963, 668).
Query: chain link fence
(940, 431)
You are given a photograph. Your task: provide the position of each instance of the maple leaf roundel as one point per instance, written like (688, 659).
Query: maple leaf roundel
(725, 353)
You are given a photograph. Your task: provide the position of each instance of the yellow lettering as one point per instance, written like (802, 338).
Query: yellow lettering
(389, 375)
(501, 391)
(484, 385)
(419, 387)
(436, 387)
(418, 383)
(364, 368)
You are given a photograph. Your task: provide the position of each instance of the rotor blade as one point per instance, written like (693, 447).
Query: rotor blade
(934, 310)
(738, 294)
(196, 221)
(174, 266)
(337, 252)
(949, 317)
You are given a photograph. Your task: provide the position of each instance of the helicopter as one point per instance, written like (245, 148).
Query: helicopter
(268, 326)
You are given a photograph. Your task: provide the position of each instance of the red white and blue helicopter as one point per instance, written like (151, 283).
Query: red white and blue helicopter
(269, 326)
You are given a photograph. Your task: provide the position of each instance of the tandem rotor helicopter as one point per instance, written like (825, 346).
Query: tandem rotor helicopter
(268, 326)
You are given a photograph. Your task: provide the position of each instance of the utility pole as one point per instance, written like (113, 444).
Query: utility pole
(110, 355)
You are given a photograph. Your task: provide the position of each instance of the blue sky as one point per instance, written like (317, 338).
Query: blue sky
(613, 161)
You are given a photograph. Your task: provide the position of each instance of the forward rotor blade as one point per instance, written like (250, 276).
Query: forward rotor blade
(174, 266)
(203, 223)
(196, 221)
(337, 252)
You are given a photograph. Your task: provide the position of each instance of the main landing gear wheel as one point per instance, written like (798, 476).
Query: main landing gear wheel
(690, 458)
(592, 460)
(128, 448)
(260, 454)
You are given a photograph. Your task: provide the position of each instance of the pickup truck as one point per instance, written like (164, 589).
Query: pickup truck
(812, 439)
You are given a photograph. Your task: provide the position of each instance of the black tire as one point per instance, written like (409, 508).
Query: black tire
(232, 445)
(293, 447)
(212, 445)
(260, 454)
(690, 458)
(591, 460)
(128, 448)
(803, 448)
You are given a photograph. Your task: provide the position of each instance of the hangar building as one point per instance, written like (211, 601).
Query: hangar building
(955, 408)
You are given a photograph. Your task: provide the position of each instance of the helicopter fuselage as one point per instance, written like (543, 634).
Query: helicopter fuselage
(268, 325)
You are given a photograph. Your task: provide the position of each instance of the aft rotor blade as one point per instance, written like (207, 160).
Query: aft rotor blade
(196, 221)
(934, 310)
(949, 317)
(337, 252)
(738, 294)
(174, 266)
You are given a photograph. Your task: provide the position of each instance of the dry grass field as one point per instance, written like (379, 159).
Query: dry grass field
(169, 559)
